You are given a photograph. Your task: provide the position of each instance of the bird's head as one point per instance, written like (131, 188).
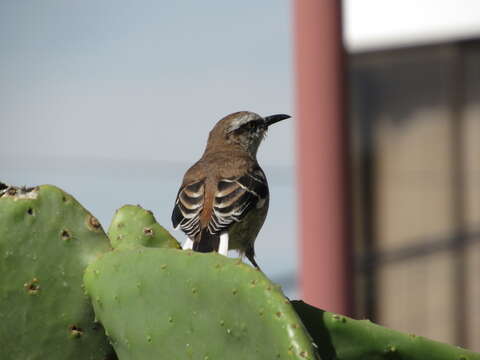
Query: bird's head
(244, 129)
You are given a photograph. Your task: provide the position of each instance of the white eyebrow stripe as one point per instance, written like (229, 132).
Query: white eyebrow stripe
(240, 120)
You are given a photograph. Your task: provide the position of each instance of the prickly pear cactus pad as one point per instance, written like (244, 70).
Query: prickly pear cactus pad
(46, 241)
(134, 226)
(340, 337)
(173, 304)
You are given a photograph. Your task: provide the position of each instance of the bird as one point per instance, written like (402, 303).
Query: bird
(223, 200)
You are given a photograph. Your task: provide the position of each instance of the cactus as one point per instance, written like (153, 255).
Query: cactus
(154, 300)
(340, 337)
(172, 304)
(46, 240)
(134, 226)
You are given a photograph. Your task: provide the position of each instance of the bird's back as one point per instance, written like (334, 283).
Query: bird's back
(216, 192)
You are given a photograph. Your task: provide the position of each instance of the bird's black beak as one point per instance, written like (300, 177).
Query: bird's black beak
(272, 119)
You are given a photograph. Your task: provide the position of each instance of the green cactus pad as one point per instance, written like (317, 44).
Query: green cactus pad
(46, 241)
(173, 304)
(340, 337)
(134, 226)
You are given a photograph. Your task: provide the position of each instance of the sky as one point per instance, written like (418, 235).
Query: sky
(112, 100)
(147, 78)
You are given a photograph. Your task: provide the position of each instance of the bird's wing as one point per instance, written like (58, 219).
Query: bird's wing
(235, 197)
(188, 206)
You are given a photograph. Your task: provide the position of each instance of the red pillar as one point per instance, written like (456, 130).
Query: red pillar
(321, 144)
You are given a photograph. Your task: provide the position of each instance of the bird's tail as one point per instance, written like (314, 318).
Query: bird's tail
(207, 242)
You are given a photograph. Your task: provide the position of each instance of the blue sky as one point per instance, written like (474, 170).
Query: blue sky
(122, 79)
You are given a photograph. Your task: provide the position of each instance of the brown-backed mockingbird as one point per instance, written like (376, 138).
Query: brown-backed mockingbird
(223, 200)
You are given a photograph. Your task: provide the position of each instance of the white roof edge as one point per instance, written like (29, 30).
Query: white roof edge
(384, 24)
(401, 41)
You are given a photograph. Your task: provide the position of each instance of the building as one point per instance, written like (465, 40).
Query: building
(415, 150)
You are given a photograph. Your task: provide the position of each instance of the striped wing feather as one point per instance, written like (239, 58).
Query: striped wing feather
(233, 199)
(188, 206)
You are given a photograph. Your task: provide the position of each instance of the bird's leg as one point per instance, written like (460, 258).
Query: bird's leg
(188, 244)
(250, 253)
(223, 246)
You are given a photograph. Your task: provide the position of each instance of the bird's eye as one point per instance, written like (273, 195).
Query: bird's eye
(247, 127)
(252, 125)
